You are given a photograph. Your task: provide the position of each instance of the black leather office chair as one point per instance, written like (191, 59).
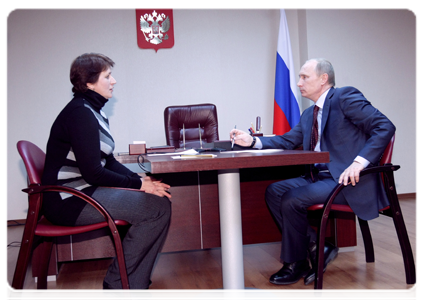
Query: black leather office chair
(189, 116)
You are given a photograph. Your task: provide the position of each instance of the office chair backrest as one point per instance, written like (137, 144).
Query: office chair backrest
(189, 116)
(387, 154)
(33, 158)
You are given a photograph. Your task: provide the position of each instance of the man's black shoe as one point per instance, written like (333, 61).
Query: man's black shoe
(291, 272)
(331, 252)
(111, 292)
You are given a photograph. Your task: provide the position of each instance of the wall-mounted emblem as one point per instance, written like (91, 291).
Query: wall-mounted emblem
(155, 28)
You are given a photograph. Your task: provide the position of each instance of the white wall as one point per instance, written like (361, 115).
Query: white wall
(226, 57)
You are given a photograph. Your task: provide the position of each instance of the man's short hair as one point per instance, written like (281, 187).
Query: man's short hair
(325, 67)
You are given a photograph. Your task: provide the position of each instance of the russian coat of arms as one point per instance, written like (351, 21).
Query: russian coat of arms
(155, 28)
(152, 29)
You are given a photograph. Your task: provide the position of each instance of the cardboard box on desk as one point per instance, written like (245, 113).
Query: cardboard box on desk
(137, 148)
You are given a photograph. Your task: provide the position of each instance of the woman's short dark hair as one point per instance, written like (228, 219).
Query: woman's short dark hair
(86, 68)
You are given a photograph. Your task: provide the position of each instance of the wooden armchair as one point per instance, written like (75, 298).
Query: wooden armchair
(38, 226)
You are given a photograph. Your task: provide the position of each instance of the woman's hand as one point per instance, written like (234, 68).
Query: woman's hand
(241, 137)
(155, 187)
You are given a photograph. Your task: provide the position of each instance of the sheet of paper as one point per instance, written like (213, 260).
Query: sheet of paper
(187, 152)
(197, 156)
(252, 151)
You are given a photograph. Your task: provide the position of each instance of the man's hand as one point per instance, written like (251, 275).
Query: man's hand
(241, 138)
(155, 187)
(352, 173)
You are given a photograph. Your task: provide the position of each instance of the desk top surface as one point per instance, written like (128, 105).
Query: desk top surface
(229, 160)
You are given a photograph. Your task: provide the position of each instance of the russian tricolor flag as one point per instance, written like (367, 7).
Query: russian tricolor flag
(286, 112)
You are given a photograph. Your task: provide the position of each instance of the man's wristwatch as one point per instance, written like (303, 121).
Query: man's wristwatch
(254, 142)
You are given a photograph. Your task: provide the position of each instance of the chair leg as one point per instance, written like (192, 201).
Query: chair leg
(407, 253)
(318, 282)
(47, 245)
(23, 258)
(368, 242)
(22, 263)
(320, 256)
(121, 259)
(26, 247)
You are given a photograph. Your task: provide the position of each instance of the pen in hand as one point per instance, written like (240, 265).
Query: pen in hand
(233, 139)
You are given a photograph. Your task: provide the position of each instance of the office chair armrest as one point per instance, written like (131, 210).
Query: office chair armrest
(338, 188)
(37, 189)
(379, 169)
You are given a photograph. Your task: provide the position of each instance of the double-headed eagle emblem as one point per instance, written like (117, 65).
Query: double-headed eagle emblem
(152, 30)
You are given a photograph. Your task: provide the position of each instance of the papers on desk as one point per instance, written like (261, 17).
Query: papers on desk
(197, 156)
(193, 154)
(187, 152)
(253, 151)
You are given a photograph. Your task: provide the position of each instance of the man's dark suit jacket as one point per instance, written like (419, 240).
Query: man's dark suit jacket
(350, 126)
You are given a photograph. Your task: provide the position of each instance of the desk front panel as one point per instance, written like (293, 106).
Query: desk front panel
(198, 226)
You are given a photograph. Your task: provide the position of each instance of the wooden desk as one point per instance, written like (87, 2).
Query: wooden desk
(228, 165)
(228, 160)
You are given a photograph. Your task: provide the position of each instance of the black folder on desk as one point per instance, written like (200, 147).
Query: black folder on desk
(223, 146)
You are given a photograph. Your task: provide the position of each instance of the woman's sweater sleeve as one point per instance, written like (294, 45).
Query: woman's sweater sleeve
(85, 140)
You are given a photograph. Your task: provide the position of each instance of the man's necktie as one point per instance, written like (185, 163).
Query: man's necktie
(314, 129)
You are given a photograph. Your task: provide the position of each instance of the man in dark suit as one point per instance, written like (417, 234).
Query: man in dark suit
(355, 134)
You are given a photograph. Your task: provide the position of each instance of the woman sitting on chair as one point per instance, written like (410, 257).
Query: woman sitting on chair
(80, 155)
